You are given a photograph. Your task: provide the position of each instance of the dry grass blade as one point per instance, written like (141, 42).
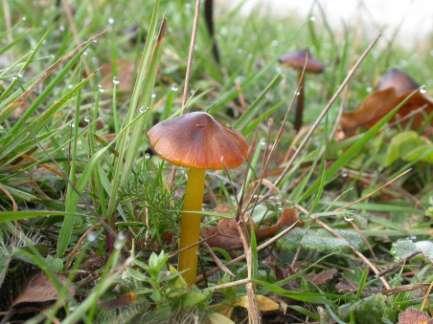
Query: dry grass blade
(327, 108)
(190, 54)
(253, 310)
(355, 251)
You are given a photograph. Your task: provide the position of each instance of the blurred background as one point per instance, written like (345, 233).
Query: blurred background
(412, 20)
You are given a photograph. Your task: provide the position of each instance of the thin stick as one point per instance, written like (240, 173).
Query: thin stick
(230, 284)
(190, 54)
(259, 248)
(253, 310)
(217, 260)
(355, 251)
(386, 184)
(327, 108)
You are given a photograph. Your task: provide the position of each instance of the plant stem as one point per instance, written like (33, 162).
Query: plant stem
(190, 225)
(299, 112)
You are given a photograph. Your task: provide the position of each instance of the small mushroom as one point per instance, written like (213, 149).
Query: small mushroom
(199, 142)
(399, 80)
(301, 61)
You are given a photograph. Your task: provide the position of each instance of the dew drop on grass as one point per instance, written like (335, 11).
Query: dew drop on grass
(101, 89)
(312, 18)
(92, 236)
(119, 241)
(111, 21)
(153, 95)
(116, 81)
(24, 18)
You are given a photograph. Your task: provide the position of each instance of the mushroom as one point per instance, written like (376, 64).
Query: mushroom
(301, 61)
(399, 80)
(199, 142)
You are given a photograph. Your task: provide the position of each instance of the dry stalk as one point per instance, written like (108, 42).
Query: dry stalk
(356, 252)
(190, 54)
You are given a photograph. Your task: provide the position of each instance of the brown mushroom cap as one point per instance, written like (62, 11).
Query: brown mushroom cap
(197, 140)
(298, 59)
(397, 79)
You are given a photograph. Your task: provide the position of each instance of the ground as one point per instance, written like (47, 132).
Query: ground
(335, 228)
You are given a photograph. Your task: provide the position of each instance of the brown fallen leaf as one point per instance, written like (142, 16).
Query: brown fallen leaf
(123, 71)
(381, 102)
(225, 234)
(39, 290)
(265, 304)
(345, 286)
(323, 277)
(413, 316)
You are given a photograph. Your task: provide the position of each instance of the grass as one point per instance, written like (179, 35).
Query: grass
(83, 201)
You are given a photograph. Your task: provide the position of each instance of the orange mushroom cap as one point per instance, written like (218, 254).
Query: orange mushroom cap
(397, 79)
(197, 140)
(298, 59)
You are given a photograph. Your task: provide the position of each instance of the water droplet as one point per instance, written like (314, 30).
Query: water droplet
(147, 156)
(312, 18)
(153, 95)
(19, 75)
(101, 89)
(86, 52)
(86, 119)
(119, 241)
(422, 89)
(116, 81)
(24, 18)
(70, 86)
(111, 21)
(142, 109)
(174, 88)
(92, 236)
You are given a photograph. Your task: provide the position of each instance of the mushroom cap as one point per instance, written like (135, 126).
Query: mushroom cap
(197, 140)
(298, 59)
(397, 79)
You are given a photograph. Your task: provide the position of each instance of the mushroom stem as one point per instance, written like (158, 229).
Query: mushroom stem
(190, 225)
(299, 111)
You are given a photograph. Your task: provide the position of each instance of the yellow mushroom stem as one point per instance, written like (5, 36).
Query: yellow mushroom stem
(190, 225)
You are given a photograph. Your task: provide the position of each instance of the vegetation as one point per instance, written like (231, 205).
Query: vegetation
(89, 216)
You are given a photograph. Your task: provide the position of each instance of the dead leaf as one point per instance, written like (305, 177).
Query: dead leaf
(265, 304)
(344, 286)
(379, 103)
(217, 318)
(323, 277)
(122, 71)
(39, 290)
(225, 234)
(413, 316)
